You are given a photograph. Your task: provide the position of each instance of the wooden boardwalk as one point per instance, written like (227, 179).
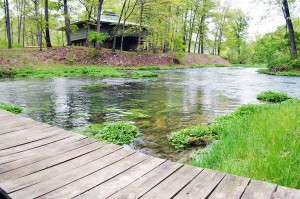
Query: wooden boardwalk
(40, 161)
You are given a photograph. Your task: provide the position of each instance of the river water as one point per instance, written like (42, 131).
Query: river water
(175, 100)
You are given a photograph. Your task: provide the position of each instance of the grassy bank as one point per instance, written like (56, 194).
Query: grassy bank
(10, 108)
(260, 142)
(295, 73)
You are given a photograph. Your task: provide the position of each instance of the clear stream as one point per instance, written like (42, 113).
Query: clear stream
(175, 100)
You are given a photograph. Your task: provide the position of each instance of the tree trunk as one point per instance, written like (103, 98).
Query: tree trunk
(7, 16)
(100, 3)
(24, 20)
(118, 26)
(67, 23)
(47, 38)
(141, 28)
(287, 16)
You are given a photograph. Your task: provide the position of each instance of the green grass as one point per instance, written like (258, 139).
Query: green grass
(292, 73)
(117, 133)
(260, 142)
(271, 96)
(250, 65)
(11, 108)
(194, 135)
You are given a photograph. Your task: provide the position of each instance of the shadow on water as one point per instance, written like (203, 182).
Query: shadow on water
(160, 106)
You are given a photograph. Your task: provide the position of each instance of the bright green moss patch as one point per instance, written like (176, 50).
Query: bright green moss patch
(11, 108)
(258, 141)
(271, 96)
(117, 133)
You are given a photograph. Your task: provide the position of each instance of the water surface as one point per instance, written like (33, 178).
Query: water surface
(175, 100)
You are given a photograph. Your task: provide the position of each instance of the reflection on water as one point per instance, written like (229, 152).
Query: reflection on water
(175, 100)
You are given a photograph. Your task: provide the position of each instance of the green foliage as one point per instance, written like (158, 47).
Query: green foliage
(10, 108)
(185, 137)
(139, 74)
(179, 49)
(94, 52)
(97, 37)
(295, 73)
(271, 96)
(117, 133)
(261, 143)
(71, 58)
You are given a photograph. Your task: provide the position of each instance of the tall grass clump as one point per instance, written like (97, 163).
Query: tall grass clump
(260, 142)
(271, 96)
(10, 108)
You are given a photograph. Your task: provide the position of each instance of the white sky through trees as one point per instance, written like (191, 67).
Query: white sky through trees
(264, 18)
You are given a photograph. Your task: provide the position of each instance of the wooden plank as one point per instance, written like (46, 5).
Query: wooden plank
(202, 186)
(15, 123)
(286, 193)
(37, 177)
(147, 182)
(230, 187)
(259, 190)
(33, 130)
(46, 149)
(84, 147)
(57, 137)
(67, 178)
(174, 183)
(24, 127)
(25, 140)
(115, 184)
(48, 152)
(84, 184)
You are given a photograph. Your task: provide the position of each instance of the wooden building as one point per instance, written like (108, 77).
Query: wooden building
(109, 21)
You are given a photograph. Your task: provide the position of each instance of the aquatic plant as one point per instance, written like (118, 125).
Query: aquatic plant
(271, 96)
(191, 136)
(117, 133)
(139, 74)
(11, 108)
(258, 141)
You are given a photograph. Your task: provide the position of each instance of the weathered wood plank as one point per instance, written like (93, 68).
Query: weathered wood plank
(67, 178)
(24, 132)
(33, 145)
(202, 186)
(117, 183)
(15, 123)
(37, 156)
(259, 190)
(47, 150)
(286, 193)
(230, 187)
(25, 127)
(147, 182)
(25, 140)
(84, 147)
(12, 185)
(174, 183)
(84, 184)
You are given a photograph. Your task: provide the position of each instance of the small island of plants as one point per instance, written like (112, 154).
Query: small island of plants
(11, 108)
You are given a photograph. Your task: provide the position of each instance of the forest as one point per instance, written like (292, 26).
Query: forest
(180, 26)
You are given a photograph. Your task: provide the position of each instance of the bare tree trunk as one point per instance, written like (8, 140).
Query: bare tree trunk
(141, 28)
(67, 23)
(100, 3)
(48, 40)
(287, 16)
(24, 20)
(118, 26)
(7, 16)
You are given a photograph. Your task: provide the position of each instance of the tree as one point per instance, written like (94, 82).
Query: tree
(47, 30)
(100, 4)
(67, 23)
(289, 24)
(8, 30)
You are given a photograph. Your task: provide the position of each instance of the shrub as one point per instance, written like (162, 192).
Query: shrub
(271, 96)
(117, 133)
(11, 108)
(94, 52)
(71, 58)
(100, 37)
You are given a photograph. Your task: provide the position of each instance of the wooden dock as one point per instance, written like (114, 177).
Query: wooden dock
(40, 161)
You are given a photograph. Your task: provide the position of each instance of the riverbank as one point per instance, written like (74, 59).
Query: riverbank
(295, 73)
(260, 142)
